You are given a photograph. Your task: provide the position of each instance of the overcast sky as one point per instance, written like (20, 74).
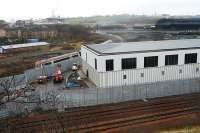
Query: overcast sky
(25, 9)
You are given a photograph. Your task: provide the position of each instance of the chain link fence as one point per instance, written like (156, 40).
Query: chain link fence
(16, 82)
(95, 96)
(32, 74)
(61, 99)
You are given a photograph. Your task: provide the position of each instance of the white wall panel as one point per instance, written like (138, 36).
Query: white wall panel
(115, 78)
(93, 75)
(140, 58)
(151, 75)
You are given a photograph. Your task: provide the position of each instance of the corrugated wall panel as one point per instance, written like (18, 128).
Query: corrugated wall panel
(93, 74)
(149, 75)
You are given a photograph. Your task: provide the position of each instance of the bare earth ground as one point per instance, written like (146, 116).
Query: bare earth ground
(189, 129)
(17, 63)
(166, 125)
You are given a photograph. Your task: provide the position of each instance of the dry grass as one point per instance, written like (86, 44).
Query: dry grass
(185, 130)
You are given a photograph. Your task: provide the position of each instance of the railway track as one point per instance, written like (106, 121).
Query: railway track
(124, 122)
(109, 118)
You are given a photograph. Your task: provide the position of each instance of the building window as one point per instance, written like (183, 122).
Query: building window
(109, 65)
(171, 60)
(151, 61)
(190, 58)
(95, 63)
(129, 63)
(142, 75)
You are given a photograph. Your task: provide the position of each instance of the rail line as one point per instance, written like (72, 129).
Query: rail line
(116, 109)
(107, 114)
(107, 118)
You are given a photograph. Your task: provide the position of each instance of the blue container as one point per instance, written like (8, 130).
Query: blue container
(72, 84)
(49, 78)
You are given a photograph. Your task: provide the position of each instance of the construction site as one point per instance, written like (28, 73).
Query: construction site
(58, 95)
(141, 81)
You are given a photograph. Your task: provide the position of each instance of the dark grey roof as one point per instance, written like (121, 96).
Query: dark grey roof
(145, 46)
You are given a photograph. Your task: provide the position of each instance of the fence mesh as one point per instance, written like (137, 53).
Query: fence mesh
(94, 96)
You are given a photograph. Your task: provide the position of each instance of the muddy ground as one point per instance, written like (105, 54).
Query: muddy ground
(17, 63)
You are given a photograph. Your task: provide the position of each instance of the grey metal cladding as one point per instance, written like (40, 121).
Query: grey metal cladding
(145, 46)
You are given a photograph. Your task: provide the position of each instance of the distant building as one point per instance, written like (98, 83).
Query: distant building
(130, 63)
(179, 24)
(23, 47)
(29, 22)
(3, 24)
(37, 32)
(112, 27)
(3, 33)
(20, 23)
(50, 21)
(3, 27)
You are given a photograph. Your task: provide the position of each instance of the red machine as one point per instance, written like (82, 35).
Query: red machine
(58, 78)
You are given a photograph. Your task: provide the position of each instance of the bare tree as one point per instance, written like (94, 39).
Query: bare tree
(6, 86)
(14, 93)
(51, 99)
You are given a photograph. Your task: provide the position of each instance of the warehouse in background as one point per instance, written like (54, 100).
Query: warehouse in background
(179, 24)
(119, 64)
(23, 47)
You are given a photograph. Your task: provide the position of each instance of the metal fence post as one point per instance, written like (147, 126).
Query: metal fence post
(110, 95)
(84, 97)
(97, 95)
(146, 95)
(122, 93)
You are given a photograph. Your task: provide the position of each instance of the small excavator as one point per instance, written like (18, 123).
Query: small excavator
(73, 80)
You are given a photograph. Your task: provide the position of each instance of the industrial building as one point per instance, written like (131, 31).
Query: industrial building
(22, 47)
(130, 63)
(179, 24)
(50, 21)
